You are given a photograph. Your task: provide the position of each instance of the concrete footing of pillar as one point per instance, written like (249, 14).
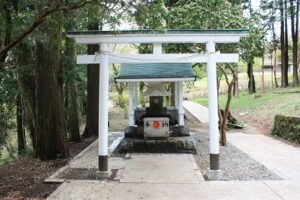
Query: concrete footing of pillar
(102, 174)
(214, 175)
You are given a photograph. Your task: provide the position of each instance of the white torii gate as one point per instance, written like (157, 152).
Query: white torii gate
(211, 57)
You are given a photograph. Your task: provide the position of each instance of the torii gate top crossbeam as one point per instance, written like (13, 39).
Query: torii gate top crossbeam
(168, 36)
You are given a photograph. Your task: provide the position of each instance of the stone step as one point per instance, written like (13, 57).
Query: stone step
(169, 145)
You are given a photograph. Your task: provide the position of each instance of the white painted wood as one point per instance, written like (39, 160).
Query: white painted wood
(164, 80)
(159, 58)
(136, 97)
(180, 103)
(103, 101)
(176, 94)
(157, 49)
(131, 105)
(159, 38)
(212, 99)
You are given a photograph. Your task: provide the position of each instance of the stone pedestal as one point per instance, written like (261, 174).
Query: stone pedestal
(214, 175)
(169, 145)
(102, 174)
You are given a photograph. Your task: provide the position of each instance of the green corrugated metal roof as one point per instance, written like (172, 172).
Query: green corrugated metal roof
(155, 70)
(170, 31)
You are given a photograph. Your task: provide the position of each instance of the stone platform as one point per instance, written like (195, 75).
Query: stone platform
(169, 145)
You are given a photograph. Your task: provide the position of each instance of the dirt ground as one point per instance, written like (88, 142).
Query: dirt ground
(23, 178)
(260, 124)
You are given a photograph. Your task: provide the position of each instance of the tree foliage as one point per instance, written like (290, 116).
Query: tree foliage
(26, 54)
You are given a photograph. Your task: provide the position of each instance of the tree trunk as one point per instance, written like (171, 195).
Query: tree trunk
(251, 82)
(223, 117)
(274, 69)
(26, 82)
(20, 127)
(72, 107)
(8, 22)
(295, 33)
(91, 127)
(50, 127)
(263, 76)
(236, 83)
(282, 44)
(295, 63)
(286, 44)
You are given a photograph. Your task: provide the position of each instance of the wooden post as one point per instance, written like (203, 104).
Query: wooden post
(103, 112)
(131, 105)
(157, 49)
(214, 170)
(180, 104)
(176, 95)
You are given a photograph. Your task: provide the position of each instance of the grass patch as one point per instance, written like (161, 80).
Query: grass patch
(201, 100)
(248, 101)
(284, 101)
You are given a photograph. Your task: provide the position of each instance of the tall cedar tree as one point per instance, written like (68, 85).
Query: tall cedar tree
(70, 86)
(50, 127)
(91, 127)
(294, 5)
(283, 44)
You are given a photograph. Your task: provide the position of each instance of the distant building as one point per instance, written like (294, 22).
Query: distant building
(268, 65)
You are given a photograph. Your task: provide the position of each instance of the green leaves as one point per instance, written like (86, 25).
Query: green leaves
(253, 46)
(200, 14)
(152, 15)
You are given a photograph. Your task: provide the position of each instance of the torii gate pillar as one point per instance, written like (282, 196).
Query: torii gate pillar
(103, 113)
(214, 169)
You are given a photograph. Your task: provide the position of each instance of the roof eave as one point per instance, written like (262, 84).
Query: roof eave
(129, 80)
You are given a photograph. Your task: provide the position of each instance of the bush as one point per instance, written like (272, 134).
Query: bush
(287, 127)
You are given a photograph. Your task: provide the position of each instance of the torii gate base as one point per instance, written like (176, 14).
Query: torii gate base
(169, 145)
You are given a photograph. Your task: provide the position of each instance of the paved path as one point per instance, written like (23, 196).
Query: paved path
(198, 111)
(235, 190)
(281, 158)
(161, 168)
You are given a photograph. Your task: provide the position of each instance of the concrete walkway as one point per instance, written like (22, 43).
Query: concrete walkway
(283, 159)
(198, 111)
(271, 190)
(161, 169)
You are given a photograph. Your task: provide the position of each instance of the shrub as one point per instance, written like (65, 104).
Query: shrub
(287, 127)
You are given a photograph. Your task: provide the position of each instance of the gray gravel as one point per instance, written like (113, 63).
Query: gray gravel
(235, 164)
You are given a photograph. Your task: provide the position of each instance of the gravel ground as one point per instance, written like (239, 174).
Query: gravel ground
(235, 164)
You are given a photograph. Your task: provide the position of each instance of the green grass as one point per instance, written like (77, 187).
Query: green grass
(279, 101)
(249, 101)
(201, 100)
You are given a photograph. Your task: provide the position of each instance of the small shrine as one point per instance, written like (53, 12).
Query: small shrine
(153, 126)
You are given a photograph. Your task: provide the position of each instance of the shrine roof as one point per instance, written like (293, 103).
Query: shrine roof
(151, 72)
